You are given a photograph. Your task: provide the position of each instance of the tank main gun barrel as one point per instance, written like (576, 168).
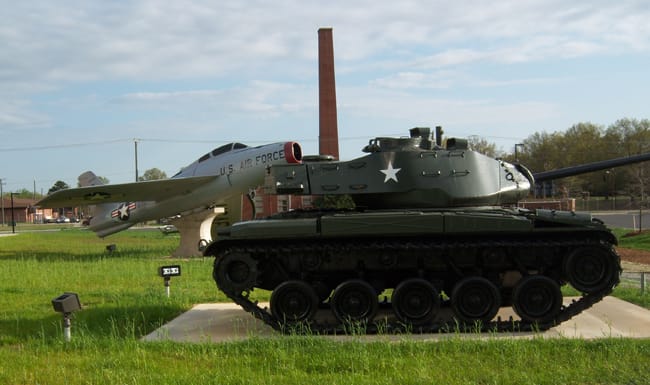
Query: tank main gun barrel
(589, 167)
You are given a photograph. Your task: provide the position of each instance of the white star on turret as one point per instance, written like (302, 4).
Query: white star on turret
(390, 172)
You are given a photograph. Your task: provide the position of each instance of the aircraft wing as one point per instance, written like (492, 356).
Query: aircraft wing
(154, 190)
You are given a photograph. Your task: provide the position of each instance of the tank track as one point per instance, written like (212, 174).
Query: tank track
(577, 306)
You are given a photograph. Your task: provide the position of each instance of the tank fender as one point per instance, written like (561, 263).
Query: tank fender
(213, 248)
(566, 217)
(210, 249)
(576, 219)
(608, 235)
(610, 238)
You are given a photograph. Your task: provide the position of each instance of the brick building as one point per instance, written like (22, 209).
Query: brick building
(267, 204)
(23, 211)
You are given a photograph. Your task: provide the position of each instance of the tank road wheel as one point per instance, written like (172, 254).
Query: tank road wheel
(475, 299)
(592, 269)
(294, 302)
(415, 301)
(354, 300)
(537, 298)
(235, 272)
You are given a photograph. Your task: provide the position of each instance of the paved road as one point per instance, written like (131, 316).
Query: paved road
(624, 219)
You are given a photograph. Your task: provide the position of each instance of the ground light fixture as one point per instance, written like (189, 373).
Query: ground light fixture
(167, 272)
(66, 303)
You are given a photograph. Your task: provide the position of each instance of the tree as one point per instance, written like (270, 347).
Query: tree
(585, 143)
(59, 185)
(24, 193)
(152, 174)
(539, 152)
(631, 137)
(482, 146)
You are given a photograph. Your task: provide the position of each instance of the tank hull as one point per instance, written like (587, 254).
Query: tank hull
(437, 270)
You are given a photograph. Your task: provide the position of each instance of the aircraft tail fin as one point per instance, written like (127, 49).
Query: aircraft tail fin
(100, 214)
(89, 178)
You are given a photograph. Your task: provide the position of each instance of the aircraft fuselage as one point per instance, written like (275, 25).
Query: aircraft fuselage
(236, 170)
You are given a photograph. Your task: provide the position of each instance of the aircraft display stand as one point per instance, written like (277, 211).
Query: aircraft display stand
(194, 230)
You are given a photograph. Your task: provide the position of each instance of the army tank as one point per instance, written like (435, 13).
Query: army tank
(436, 228)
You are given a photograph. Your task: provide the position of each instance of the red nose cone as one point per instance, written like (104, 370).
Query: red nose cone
(292, 152)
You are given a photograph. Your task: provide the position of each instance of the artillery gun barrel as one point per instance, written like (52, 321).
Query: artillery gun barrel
(589, 167)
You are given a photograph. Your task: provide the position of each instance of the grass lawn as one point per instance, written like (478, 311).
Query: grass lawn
(633, 240)
(123, 299)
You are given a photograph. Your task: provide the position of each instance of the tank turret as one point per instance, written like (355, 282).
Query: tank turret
(420, 173)
(436, 228)
(411, 172)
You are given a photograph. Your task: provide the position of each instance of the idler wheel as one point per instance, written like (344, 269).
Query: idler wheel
(415, 302)
(354, 300)
(592, 269)
(537, 298)
(294, 302)
(475, 299)
(235, 272)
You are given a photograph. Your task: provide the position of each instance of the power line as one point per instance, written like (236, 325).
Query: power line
(66, 145)
(159, 140)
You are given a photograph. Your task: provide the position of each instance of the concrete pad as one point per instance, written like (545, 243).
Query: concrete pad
(222, 322)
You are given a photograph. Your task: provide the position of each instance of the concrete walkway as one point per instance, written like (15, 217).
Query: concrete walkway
(223, 322)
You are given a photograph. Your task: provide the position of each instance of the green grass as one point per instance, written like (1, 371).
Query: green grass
(313, 360)
(119, 288)
(123, 299)
(627, 238)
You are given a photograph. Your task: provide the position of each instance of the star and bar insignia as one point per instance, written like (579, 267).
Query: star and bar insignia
(124, 211)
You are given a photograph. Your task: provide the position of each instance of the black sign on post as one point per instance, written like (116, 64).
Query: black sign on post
(167, 272)
(66, 303)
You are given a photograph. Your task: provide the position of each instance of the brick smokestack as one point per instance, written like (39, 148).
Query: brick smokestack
(328, 139)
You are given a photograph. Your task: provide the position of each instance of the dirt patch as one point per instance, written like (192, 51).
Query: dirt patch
(633, 259)
(634, 255)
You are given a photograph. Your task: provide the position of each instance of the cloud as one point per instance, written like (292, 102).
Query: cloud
(518, 82)
(257, 96)
(18, 115)
(403, 80)
(405, 106)
(144, 97)
(81, 41)
(258, 58)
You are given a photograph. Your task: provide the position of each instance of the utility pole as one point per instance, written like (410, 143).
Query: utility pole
(34, 215)
(135, 141)
(13, 219)
(517, 145)
(2, 201)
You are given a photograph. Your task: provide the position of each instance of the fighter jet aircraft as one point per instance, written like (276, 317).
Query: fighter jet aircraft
(194, 194)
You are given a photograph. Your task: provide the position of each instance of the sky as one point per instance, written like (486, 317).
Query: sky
(81, 82)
